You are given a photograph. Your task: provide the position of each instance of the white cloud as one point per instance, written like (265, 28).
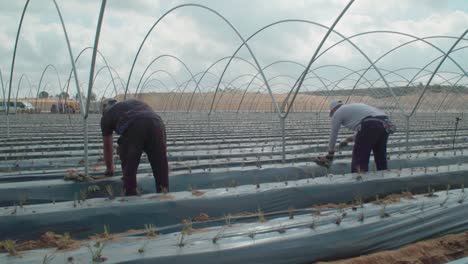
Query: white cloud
(198, 38)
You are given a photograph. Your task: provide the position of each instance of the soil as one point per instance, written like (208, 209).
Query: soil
(433, 251)
(202, 217)
(197, 193)
(394, 198)
(47, 240)
(73, 175)
(389, 199)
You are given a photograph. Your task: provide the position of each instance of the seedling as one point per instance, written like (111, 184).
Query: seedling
(106, 232)
(218, 235)
(444, 201)
(150, 230)
(181, 242)
(462, 197)
(261, 216)
(282, 229)
(430, 192)
(93, 188)
(227, 219)
(15, 209)
(142, 249)
(338, 220)
(23, 199)
(233, 184)
(215, 239)
(315, 222)
(83, 195)
(448, 188)
(291, 212)
(122, 193)
(359, 202)
(48, 259)
(75, 200)
(96, 252)
(10, 247)
(64, 241)
(361, 216)
(110, 192)
(382, 212)
(187, 226)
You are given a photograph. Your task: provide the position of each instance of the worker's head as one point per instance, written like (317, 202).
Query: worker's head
(106, 104)
(334, 105)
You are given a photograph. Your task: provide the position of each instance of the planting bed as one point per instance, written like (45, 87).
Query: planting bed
(319, 234)
(231, 193)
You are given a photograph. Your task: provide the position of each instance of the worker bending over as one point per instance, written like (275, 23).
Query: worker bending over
(141, 130)
(372, 128)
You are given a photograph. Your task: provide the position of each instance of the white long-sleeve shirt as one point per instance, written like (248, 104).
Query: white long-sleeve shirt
(350, 116)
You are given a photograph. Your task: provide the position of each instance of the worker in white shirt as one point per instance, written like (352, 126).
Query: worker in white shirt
(372, 128)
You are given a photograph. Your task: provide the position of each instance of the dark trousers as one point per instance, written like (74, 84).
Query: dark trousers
(149, 136)
(372, 136)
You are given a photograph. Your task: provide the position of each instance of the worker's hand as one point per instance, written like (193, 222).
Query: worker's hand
(109, 172)
(343, 144)
(323, 161)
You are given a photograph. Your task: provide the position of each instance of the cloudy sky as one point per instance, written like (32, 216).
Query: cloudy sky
(199, 38)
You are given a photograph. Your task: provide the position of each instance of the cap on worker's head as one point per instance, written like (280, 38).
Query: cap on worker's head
(334, 104)
(106, 103)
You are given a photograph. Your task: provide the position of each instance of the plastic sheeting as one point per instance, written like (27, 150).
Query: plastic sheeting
(459, 261)
(59, 190)
(161, 210)
(303, 239)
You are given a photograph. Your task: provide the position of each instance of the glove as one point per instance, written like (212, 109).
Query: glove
(109, 173)
(324, 161)
(343, 144)
(330, 157)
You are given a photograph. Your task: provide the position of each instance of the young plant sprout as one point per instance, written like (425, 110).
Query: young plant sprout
(315, 222)
(462, 197)
(150, 230)
(83, 195)
(75, 200)
(361, 216)
(291, 212)
(142, 249)
(10, 247)
(110, 192)
(96, 252)
(281, 229)
(261, 216)
(382, 212)
(48, 258)
(442, 204)
(338, 219)
(106, 232)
